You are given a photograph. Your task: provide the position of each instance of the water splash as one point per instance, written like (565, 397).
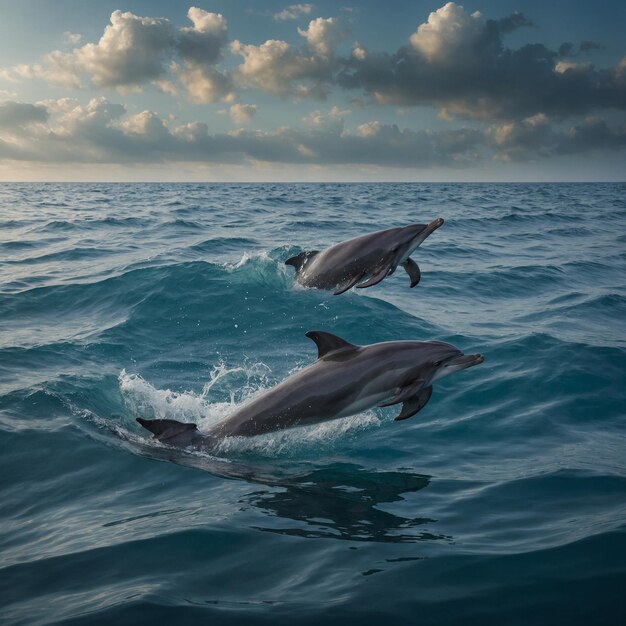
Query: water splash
(143, 399)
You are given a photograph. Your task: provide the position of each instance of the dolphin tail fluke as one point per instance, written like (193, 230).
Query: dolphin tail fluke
(166, 429)
(300, 259)
(413, 270)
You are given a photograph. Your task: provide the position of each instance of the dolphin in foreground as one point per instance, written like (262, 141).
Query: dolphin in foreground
(344, 380)
(363, 261)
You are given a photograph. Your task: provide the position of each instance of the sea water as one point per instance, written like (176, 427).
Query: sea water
(502, 502)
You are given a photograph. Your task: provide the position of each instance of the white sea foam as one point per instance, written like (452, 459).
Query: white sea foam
(145, 400)
(262, 268)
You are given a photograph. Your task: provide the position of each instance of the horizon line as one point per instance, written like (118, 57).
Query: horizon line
(317, 182)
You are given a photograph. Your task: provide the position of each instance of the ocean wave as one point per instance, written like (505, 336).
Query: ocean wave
(507, 481)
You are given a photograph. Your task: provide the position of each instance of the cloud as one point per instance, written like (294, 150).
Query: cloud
(203, 43)
(569, 49)
(586, 46)
(135, 50)
(592, 135)
(71, 38)
(537, 137)
(455, 61)
(201, 47)
(458, 63)
(293, 12)
(102, 132)
(58, 68)
(277, 67)
(332, 121)
(242, 113)
(66, 131)
(449, 35)
(131, 51)
(204, 84)
(324, 35)
(524, 140)
(20, 114)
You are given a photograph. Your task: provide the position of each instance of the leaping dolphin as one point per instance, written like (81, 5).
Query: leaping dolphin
(365, 260)
(344, 380)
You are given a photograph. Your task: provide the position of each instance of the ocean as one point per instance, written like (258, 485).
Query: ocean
(502, 502)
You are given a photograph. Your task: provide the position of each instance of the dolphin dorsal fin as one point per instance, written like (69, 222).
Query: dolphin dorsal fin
(327, 342)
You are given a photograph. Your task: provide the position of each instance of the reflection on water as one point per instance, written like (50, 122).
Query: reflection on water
(341, 502)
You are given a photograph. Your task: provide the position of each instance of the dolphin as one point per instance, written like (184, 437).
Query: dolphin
(344, 380)
(363, 261)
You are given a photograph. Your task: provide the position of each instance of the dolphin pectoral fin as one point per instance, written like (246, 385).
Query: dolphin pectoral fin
(300, 259)
(415, 404)
(413, 270)
(327, 342)
(165, 429)
(349, 285)
(376, 278)
(405, 393)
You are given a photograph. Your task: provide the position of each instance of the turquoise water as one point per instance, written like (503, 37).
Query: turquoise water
(502, 502)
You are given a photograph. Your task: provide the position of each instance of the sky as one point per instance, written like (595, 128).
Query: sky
(245, 90)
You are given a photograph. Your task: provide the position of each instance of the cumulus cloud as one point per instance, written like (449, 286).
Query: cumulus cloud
(102, 132)
(282, 69)
(277, 67)
(359, 52)
(20, 114)
(323, 35)
(201, 47)
(136, 50)
(457, 62)
(565, 66)
(537, 137)
(66, 131)
(449, 35)
(71, 38)
(534, 102)
(242, 113)
(592, 134)
(203, 42)
(57, 68)
(529, 138)
(331, 121)
(204, 84)
(131, 51)
(293, 12)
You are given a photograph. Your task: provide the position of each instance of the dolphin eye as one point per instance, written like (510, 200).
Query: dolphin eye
(438, 363)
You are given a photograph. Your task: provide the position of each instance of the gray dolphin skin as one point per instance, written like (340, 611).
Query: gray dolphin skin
(364, 261)
(344, 380)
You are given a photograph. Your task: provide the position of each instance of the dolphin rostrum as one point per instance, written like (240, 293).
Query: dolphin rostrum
(344, 380)
(363, 261)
